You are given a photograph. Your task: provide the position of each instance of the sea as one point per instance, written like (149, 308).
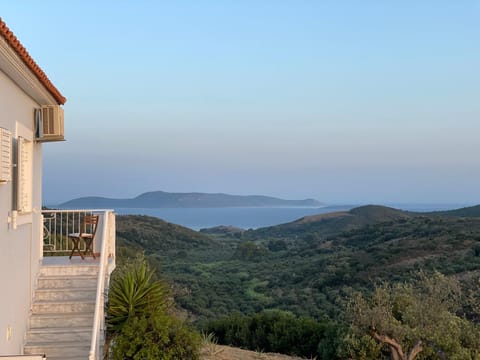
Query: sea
(255, 217)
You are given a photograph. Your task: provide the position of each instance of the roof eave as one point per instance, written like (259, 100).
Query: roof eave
(21, 53)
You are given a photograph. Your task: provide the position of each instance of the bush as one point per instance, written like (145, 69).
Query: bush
(140, 323)
(159, 337)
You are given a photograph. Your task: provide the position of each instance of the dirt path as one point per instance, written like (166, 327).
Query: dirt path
(221, 352)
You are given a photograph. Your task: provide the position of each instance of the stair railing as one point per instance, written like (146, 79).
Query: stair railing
(106, 252)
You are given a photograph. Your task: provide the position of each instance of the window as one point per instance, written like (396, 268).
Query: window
(24, 175)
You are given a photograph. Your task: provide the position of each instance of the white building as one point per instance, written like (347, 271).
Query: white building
(43, 300)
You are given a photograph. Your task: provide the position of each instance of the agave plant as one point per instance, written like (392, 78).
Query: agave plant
(134, 292)
(140, 323)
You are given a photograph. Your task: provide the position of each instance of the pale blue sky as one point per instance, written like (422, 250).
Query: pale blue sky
(343, 101)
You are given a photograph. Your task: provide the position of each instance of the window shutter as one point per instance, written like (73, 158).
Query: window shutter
(5, 155)
(24, 168)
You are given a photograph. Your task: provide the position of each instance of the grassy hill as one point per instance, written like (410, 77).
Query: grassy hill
(332, 223)
(153, 234)
(306, 266)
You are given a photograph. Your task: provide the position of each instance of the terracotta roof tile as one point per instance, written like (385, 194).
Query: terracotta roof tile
(12, 40)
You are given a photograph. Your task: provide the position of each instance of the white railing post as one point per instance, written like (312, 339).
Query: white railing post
(41, 232)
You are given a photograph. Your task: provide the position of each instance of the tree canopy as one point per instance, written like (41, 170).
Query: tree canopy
(419, 319)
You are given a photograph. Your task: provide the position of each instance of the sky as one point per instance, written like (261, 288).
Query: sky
(341, 101)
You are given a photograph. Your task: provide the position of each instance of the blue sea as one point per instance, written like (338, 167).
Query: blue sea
(252, 217)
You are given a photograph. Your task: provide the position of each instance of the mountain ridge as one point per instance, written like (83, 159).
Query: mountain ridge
(332, 222)
(367, 215)
(162, 199)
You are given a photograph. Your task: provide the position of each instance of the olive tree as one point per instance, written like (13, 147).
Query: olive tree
(420, 319)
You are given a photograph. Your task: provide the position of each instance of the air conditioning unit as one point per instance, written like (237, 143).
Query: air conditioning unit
(49, 123)
(5, 155)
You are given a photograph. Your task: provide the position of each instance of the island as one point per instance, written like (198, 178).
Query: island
(162, 199)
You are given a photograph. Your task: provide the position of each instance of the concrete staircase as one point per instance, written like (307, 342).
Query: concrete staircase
(62, 312)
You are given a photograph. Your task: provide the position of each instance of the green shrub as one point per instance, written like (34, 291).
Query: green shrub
(250, 251)
(140, 323)
(159, 337)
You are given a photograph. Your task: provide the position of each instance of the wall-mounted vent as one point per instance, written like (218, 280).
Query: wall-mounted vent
(49, 123)
(5, 155)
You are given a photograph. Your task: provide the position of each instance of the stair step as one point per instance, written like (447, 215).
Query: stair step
(60, 294)
(52, 307)
(64, 350)
(61, 320)
(66, 281)
(59, 334)
(73, 270)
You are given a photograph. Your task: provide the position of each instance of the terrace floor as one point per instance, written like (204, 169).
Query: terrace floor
(65, 261)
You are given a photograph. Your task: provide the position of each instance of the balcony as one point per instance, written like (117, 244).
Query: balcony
(57, 224)
(67, 317)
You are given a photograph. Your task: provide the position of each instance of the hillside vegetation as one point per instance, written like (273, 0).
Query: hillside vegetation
(333, 223)
(304, 266)
(152, 234)
(310, 267)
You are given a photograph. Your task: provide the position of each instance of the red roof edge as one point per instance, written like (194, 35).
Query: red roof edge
(12, 40)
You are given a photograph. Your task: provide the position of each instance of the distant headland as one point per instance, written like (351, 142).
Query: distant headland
(161, 199)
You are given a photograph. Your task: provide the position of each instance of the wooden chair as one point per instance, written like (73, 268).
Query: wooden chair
(87, 234)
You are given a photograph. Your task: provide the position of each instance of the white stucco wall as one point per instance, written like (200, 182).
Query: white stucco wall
(19, 248)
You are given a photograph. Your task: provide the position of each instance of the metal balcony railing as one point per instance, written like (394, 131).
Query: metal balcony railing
(58, 224)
